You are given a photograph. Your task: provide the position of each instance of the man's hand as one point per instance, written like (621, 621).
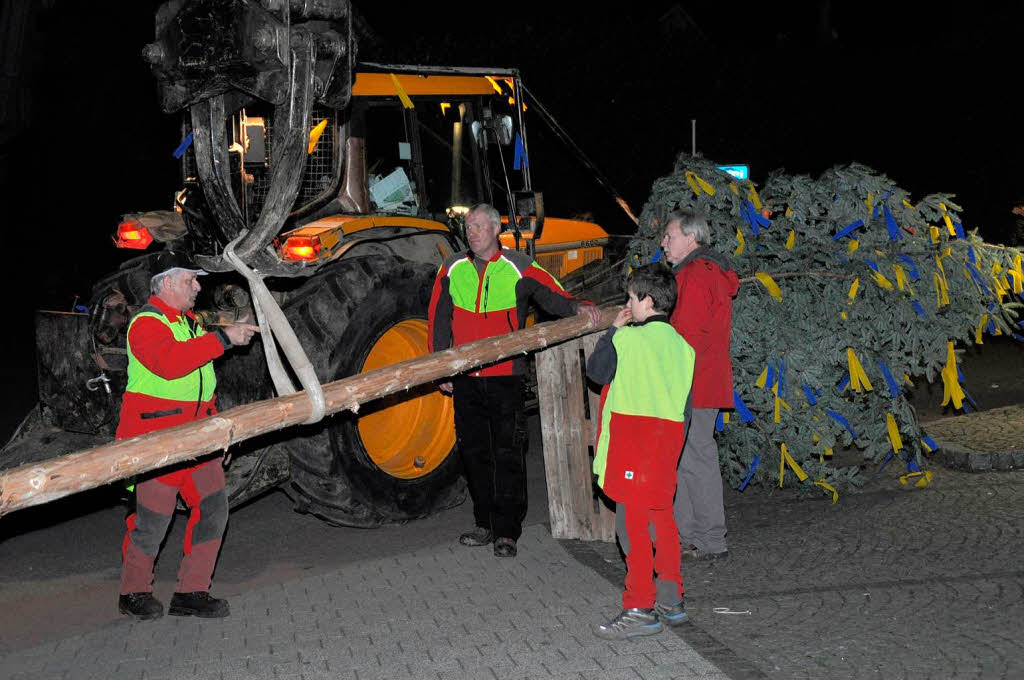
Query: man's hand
(592, 313)
(623, 317)
(240, 333)
(445, 387)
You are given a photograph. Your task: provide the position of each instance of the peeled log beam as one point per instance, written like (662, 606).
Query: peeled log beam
(45, 481)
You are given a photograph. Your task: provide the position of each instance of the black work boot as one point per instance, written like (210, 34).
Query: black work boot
(142, 606)
(198, 604)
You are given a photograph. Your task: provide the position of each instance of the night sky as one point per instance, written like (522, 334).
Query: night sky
(931, 98)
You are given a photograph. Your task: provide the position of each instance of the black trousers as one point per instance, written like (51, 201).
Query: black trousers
(490, 426)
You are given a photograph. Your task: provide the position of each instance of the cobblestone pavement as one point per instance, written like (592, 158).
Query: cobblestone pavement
(985, 440)
(890, 583)
(443, 612)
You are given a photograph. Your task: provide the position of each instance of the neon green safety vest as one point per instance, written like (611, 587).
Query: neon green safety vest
(653, 375)
(197, 386)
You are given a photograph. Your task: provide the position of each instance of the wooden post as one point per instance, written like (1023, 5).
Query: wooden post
(45, 481)
(569, 414)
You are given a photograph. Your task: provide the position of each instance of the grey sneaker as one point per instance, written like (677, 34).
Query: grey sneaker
(692, 552)
(630, 623)
(671, 614)
(476, 537)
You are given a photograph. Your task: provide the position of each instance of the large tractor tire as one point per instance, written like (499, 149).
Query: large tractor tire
(394, 460)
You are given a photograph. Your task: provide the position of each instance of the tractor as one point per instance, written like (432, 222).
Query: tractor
(342, 185)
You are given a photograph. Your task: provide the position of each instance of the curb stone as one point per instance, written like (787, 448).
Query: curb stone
(966, 459)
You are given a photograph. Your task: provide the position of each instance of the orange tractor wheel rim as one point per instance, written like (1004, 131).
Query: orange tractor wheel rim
(409, 438)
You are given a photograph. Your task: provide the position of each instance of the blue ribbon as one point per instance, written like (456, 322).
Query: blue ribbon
(971, 256)
(912, 466)
(750, 472)
(873, 265)
(930, 442)
(1018, 337)
(919, 309)
(969, 398)
(744, 412)
(911, 267)
(810, 395)
(770, 380)
(842, 421)
(746, 210)
(719, 423)
(976, 275)
(782, 378)
(885, 462)
(656, 257)
(847, 230)
(890, 224)
(843, 385)
(959, 228)
(894, 389)
(183, 147)
(520, 160)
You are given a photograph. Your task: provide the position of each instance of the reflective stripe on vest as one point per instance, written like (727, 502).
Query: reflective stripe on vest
(653, 375)
(197, 386)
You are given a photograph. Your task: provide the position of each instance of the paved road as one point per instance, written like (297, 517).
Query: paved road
(889, 583)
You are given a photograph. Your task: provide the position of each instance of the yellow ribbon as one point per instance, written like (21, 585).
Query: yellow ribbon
(882, 281)
(977, 331)
(763, 378)
(923, 478)
(933, 232)
(901, 277)
(406, 102)
(894, 432)
(754, 198)
(870, 202)
(941, 290)
(1017, 274)
(858, 378)
(733, 188)
(770, 284)
(853, 289)
(698, 184)
(949, 222)
(742, 243)
(779, 403)
(791, 239)
(950, 382)
(725, 417)
(828, 487)
(314, 135)
(786, 459)
(789, 211)
(852, 247)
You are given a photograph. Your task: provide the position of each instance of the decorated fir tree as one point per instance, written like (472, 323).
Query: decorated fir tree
(849, 291)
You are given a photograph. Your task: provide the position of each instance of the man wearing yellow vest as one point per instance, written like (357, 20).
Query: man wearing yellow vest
(480, 293)
(170, 382)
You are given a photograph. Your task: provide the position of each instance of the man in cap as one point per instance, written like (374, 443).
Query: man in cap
(170, 382)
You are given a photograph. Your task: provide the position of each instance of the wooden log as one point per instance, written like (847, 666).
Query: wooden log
(45, 481)
(569, 416)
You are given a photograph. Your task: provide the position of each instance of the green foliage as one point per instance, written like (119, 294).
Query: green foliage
(804, 338)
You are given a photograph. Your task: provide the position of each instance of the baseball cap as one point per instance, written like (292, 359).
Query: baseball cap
(169, 259)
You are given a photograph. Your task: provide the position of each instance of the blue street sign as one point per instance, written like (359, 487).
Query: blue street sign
(737, 171)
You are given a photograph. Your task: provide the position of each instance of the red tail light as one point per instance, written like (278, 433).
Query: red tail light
(300, 248)
(131, 234)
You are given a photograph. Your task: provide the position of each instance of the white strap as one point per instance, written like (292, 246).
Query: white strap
(272, 323)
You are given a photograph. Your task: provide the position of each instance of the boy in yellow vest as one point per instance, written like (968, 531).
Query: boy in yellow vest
(647, 370)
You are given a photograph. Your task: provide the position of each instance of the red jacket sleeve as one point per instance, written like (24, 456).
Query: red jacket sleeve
(154, 345)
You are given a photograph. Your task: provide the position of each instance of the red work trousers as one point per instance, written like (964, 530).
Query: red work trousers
(202, 489)
(645, 558)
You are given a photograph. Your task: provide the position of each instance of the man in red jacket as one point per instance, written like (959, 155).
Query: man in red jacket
(170, 382)
(703, 316)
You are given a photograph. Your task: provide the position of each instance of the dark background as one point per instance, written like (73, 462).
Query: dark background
(929, 97)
